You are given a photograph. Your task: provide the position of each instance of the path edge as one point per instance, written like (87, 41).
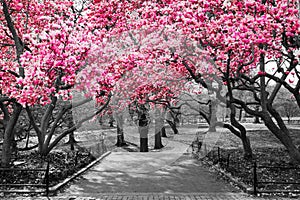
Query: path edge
(58, 186)
(244, 187)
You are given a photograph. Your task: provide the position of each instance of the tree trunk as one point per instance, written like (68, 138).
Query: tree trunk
(120, 137)
(285, 139)
(143, 130)
(111, 121)
(173, 126)
(248, 155)
(159, 122)
(120, 130)
(144, 145)
(240, 114)
(282, 133)
(71, 123)
(256, 119)
(100, 120)
(212, 115)
(242, 132)
(288, 119)
(158, 142)
(8, 136)
(72, 141)
(163, 132)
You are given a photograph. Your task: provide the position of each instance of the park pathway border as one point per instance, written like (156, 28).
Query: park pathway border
(156, 196)
(58, 186)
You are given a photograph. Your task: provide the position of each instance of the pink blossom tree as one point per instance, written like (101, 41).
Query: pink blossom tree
(44, 45)
(234, 40)
(239, 38)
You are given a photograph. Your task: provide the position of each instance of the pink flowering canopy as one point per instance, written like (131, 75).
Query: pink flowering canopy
(135, 67)
(62, 39)
(245, 29)
(55, 47)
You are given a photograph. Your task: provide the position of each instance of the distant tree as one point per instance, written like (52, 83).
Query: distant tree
(286, 105)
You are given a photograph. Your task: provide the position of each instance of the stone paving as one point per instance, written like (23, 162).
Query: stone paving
(168, 171)
(167, 175)
(156, 196)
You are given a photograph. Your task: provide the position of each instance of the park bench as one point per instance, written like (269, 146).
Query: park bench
(42, 181)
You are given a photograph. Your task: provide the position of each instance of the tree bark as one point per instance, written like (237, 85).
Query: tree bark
(46, 144)
(240, 114)
(159, 122)
(120, 131)
(212, 115)
(144, 144)
(284, 138)
(241, 133)
(248, 155)
(111, 121)
(9, 134)
(120, 137)
(173, 126)
(256, 118)
(163, 132)
(158, 142)
(143, 130)
(70, 121)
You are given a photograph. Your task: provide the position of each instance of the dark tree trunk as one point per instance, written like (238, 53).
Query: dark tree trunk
(70, 121)
(288, 119)
(144, 145)
(143, 130)
(100, 120)
(212, 115)
(159, 123)
(158, 142)
(282, 133)
(120, 131)
(242, 134)
(163, 132)
(111, 122)
(120, 137)
(256, 119)
(173, 126)
(8, 136)
(72, 141)
(248, 155)
(240, 114)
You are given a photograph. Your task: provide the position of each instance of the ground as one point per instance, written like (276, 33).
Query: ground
(96, 142)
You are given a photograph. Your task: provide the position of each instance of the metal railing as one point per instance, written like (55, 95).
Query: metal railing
(257, 183)
(45, 180)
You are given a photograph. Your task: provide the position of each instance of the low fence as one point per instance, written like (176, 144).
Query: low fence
(221, 158)
(44, 181)
(260, 184)
(257, 183)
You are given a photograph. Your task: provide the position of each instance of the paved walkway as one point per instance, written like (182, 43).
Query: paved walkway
(153, 172)
(156, 196)
(170, 174)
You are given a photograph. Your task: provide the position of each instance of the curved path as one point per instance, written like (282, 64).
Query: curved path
(169, 174)
(168, 171)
